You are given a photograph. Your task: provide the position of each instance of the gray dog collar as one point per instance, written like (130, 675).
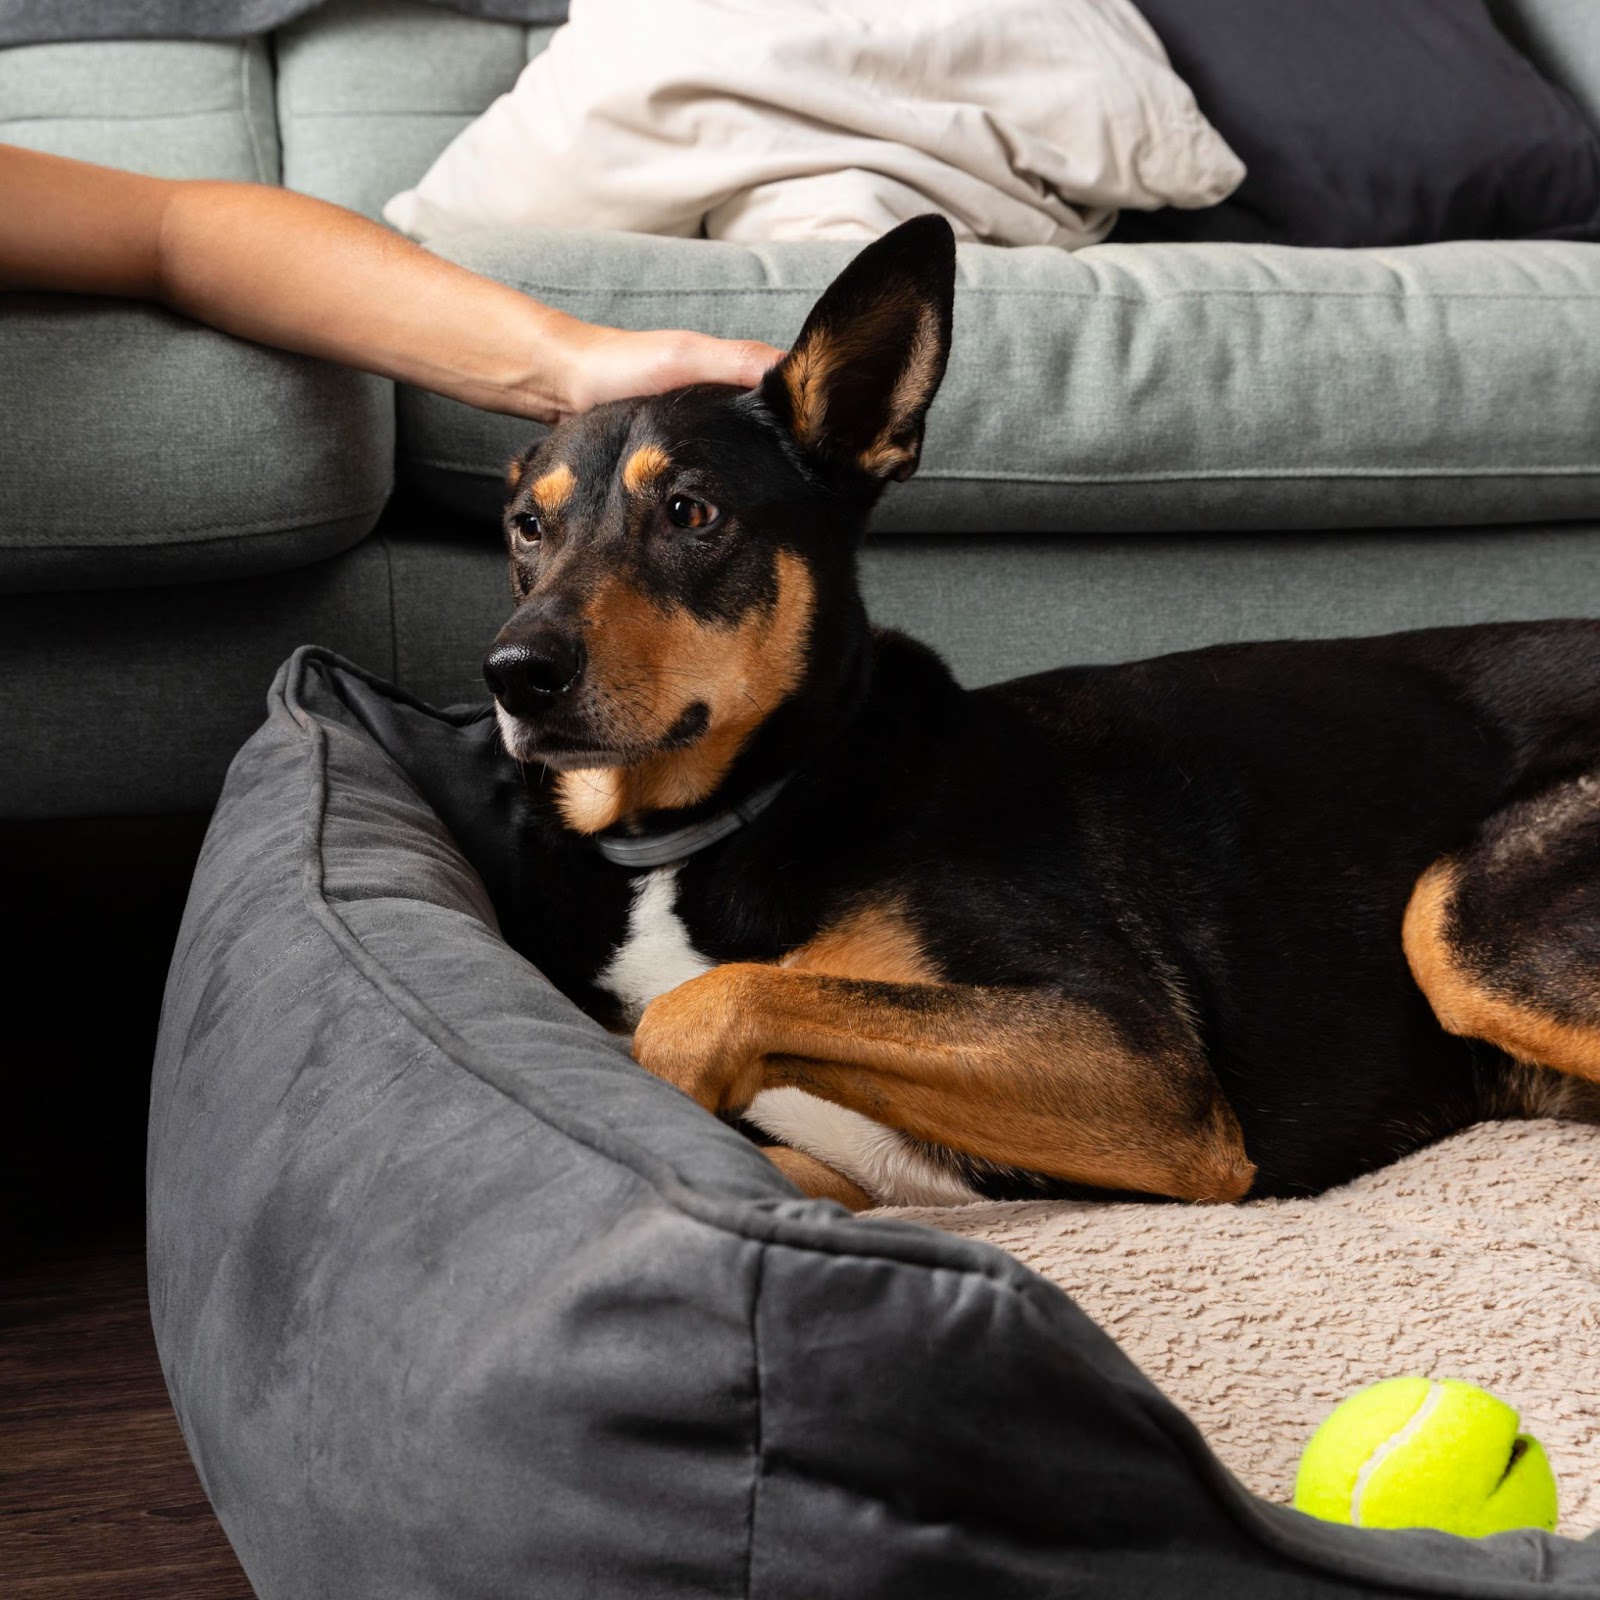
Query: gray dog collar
(661, 849)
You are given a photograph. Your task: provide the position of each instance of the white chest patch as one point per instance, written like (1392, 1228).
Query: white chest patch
(655, 954)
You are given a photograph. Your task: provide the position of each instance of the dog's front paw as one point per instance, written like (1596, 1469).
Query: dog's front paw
(702, 1037)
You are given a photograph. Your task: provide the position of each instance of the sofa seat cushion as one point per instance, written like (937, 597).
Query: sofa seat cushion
(142, 448)
(454, 1300)
(1148, 386)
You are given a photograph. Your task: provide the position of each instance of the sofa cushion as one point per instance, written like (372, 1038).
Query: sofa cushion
(1562, 39)
(29, 21)
(142, 448)
(174, 108)
(454, 1300)
(371, 91)
(1147, 386)
(1022, 121)
(1368, 123)
(133, 705)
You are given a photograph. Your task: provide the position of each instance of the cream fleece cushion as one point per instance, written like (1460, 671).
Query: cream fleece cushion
(1024, 121)
(1477, 1258)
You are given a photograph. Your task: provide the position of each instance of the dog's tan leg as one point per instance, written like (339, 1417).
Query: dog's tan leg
(1011, 1076)
(1504, 939)
(816, 1179)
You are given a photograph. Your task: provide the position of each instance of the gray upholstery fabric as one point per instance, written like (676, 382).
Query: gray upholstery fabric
(140, 448)
(453, 1300)
(168, 108)
(1562, 39)
(371, 91)
(1128, 387)
(999, 608)
(30, 21)
(119, 703)
(1028, 605)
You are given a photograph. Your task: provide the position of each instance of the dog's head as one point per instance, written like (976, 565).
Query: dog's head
(680, 564)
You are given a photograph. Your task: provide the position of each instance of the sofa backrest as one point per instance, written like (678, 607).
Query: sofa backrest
(370, 91)
(1562, 38)
(353, 101)
(175, 108)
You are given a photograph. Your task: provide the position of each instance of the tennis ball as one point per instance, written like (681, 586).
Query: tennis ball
(1412, 1453)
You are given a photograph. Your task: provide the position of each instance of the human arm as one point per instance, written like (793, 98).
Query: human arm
(281, 268)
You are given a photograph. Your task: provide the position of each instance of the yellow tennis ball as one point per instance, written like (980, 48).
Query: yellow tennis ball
(1415, 1453)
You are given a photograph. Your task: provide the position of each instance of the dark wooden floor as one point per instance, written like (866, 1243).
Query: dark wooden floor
(98, 1499)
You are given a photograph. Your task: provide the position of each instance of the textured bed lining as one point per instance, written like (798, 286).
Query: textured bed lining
(1477, 1258)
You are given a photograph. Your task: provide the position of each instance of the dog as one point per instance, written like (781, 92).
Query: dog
(1243, 921)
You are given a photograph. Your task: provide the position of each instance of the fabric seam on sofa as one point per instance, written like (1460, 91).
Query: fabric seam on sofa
(1094, 296)
(765, 1229)
(1217, 475)
(200, 534)
(115, 116)
(257, 155)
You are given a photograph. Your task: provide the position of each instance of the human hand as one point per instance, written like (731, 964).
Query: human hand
(592, 364)
(283, 269)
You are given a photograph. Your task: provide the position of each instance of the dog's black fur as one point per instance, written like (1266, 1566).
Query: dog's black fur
(1211, 852)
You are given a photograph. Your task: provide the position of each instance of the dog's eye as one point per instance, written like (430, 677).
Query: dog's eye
(526, 528)
(684, 511)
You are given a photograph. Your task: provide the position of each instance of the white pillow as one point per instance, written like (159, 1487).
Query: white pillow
(1023, 121)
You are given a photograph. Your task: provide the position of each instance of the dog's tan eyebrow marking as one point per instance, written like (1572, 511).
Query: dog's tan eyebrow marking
(647, 462)
(554, 488)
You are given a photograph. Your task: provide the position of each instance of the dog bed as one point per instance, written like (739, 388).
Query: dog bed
(453, 1300)
(1476, 1258)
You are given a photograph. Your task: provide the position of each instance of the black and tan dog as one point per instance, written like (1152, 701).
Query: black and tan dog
(1247, 920)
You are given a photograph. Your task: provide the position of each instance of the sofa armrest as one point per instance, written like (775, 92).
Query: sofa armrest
(142, 448)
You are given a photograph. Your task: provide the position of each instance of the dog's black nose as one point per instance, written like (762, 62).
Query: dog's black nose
(525, 673)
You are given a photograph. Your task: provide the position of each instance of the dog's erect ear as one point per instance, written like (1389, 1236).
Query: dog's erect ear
(857, 385)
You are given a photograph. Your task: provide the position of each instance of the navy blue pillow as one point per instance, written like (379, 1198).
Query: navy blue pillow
(1376, 122)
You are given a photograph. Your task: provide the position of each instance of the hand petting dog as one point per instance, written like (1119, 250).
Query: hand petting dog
(283, 269)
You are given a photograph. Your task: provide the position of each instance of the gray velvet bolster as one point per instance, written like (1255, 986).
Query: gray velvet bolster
(454, 1300)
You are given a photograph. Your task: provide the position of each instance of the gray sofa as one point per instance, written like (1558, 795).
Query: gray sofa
(1139, 447)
